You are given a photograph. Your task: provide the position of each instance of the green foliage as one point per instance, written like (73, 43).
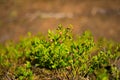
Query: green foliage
(24, 72)
(81, 56)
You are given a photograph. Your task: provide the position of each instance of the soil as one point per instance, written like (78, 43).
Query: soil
(18, 17)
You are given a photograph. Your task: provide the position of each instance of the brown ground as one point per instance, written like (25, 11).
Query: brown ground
(17, 17)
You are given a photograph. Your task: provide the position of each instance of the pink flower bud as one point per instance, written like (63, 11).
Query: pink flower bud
(61, 41)
(60, 33)
(51, 40)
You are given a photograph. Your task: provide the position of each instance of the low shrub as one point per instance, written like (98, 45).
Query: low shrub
(82, 57)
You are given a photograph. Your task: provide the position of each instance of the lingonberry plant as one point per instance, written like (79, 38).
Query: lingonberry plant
(65, 56)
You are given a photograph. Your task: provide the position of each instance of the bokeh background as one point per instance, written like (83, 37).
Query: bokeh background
(18, 17)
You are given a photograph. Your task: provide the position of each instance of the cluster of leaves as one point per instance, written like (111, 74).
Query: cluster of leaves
(24, 72)
(81, 56)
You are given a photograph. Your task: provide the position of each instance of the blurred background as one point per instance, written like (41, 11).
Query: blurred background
(18, 17)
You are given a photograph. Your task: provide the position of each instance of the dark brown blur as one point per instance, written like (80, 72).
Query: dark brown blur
(18, 17)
